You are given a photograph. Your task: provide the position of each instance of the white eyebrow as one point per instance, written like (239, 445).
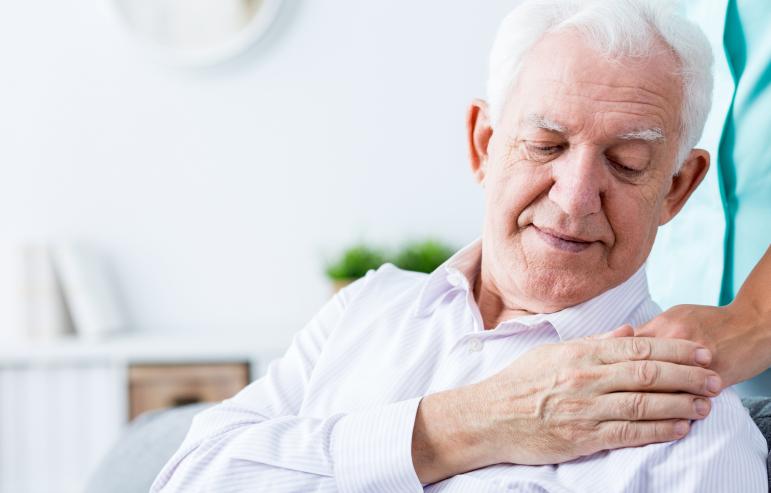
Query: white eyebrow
(540, 121)
(654, 134)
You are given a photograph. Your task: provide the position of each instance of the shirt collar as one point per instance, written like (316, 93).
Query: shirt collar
(602, 313)
(459, 271)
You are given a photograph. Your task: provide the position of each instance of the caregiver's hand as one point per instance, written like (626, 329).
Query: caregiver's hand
(739, 334)
(740, 346)
(561, 401)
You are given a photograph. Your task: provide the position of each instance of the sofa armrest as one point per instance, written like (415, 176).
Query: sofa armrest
(143, 449)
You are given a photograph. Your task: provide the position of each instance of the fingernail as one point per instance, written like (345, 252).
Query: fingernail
(713, 384)
(703, 356)
(681, 428)
(701, 406)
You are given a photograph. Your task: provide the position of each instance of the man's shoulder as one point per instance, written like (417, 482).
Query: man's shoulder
(723, 452)
(728, 416)
(386, 285)
(728, 429)
(378, 309)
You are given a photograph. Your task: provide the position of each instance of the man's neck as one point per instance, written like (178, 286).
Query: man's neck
(492, 306)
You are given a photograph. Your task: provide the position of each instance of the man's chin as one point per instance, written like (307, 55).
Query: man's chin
(588, 262)
(559, 287)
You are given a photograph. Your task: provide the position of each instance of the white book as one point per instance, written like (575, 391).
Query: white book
(90, 294)
(45, 313)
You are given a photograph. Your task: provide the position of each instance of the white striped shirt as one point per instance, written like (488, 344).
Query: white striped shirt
(336, 412)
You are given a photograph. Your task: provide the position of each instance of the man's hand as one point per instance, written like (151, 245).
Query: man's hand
(562, 401)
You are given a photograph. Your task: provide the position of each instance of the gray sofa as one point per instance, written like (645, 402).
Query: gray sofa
(131, 466)
(139, 455)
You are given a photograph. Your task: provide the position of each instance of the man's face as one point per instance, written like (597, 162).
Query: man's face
(578, 172)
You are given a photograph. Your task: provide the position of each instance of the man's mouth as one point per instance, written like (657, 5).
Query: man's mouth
(562, 241)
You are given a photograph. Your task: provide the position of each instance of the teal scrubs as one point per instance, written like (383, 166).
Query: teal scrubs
(704, 255)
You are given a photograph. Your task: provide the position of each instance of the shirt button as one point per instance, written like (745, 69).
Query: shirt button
(455, 279)
(475, 345)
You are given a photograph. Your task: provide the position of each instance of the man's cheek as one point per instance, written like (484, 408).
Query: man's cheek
(630, 236)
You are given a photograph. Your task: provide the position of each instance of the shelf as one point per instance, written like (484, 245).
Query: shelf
(140, 348)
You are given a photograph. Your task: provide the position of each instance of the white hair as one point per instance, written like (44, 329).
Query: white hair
(616, 28)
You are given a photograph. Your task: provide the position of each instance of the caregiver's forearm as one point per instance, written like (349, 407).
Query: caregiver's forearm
(753, 302)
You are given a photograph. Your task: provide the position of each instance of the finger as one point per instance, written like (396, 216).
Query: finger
(623, 331)
(658, 376)
(648, 329)
(646, 406)
(618, 434)
(619, 349)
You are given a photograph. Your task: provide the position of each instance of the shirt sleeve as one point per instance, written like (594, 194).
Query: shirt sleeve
(257, 441)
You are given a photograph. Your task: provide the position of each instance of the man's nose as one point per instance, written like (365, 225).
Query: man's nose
(578, 183)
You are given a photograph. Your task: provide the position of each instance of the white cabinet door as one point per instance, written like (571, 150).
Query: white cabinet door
(56, 422)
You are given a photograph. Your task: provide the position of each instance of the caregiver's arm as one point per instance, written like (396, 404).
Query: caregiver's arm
(738, 334)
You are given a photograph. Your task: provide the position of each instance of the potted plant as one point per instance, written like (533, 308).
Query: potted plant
(353, 264)
(423, 256)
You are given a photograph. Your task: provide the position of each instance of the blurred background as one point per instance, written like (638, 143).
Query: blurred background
(182, 181)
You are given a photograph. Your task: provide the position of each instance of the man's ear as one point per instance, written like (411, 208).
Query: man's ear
(684, 183)
(479, 133)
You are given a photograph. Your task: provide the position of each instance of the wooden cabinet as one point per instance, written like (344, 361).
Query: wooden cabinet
(159, 386)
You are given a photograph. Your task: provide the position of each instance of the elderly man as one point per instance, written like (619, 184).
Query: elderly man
(480, 376)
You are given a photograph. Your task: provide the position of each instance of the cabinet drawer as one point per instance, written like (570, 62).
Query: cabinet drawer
(160, 386)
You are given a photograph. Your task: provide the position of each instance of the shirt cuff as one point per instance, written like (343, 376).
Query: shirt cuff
(372, 449)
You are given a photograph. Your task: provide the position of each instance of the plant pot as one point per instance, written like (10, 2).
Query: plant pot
(338, 284)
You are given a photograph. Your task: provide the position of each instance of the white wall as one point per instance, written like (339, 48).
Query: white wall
(215, 194)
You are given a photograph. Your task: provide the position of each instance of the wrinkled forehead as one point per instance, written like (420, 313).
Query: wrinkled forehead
(566, 80)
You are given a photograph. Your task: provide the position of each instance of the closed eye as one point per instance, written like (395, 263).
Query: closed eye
(542, 151)
(625, 170)
(546, 149)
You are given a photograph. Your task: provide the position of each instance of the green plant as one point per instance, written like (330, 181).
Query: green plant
(423, 256)
(355, 262)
